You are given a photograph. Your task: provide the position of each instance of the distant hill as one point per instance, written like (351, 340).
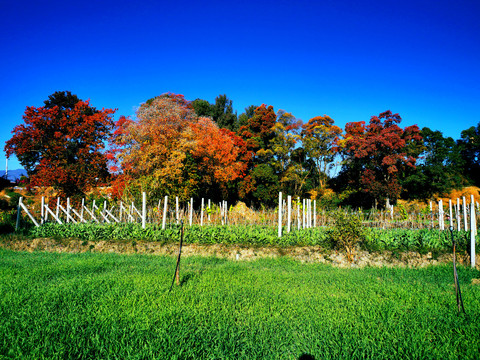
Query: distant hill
(14, 174)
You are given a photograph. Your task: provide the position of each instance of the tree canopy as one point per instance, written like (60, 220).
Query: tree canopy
(183, 148)
(61, 144)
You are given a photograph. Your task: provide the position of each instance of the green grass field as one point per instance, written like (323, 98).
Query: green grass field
(94, 306)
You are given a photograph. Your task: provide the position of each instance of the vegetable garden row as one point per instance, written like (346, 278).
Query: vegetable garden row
(299, 223)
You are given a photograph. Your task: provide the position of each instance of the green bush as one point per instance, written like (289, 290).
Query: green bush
(346, 233)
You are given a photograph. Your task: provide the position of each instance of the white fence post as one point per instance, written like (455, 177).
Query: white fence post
(473, 229)
(209, 210)
(42, 211)
(280, 203)
(57, 212)
(465, 214)
(226, 212)
(191, 211)
(289, 213)
(144, 210)
(441, 224)
(458, 215)
(298, 213)
(20, 203)
(176, 210)
(450, 214)
(201, 211)
(165, 207)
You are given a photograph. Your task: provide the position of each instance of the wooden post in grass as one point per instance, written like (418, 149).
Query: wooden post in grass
(280, 203)
(165, 208)
(176, 276)
(144, 209)
(289, 213)
(201, 213)
(465, 217)
(314, 213)
(42, 211)
(191, 211)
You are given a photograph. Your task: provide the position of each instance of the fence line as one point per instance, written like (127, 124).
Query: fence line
(305, 216)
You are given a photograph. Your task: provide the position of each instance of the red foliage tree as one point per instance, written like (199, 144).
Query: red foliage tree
(379, 152)
(61, 144)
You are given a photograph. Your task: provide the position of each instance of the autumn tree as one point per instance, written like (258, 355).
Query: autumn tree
(258, 134)
(61, 144)
(320, 138)
(169, 150)
(375, 155)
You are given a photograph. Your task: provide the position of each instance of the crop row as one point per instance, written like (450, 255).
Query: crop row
(373, 238)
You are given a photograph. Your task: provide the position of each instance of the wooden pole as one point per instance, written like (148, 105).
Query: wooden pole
(465, 217)
(314, 213)
(201, 213)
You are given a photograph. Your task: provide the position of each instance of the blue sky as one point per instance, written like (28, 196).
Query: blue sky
(347, 59)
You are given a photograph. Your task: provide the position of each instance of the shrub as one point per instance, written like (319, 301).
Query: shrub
(346, 232)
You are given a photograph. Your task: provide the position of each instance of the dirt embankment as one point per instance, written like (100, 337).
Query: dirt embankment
(236, 252)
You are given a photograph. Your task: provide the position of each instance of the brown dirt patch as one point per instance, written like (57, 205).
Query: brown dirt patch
(235, 252)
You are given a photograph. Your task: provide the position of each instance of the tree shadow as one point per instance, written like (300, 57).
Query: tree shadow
(306, 357)
(185, 279)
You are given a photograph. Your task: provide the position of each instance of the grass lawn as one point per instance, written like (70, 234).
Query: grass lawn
(93, 306)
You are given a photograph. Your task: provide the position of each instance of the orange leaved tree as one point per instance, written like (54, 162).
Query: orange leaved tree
(169, 150)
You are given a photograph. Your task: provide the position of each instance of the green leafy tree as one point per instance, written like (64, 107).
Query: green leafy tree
(320, 138)
(469, 144)
(439, 170)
